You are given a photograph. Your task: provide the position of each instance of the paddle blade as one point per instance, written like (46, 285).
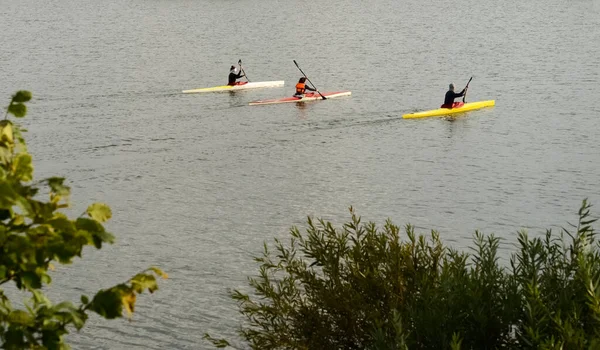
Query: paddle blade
(469, 82)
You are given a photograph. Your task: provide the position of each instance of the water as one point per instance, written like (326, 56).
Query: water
(198, 182)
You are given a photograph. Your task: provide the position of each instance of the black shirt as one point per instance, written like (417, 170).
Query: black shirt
(233, 77)
(451, 95)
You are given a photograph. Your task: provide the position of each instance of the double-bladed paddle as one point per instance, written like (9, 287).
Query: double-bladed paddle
(465, 95)
(311, 83)
(242, 68)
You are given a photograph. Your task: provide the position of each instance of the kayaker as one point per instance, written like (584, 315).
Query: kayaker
(234, 74)
(301, 88)
(451, 95)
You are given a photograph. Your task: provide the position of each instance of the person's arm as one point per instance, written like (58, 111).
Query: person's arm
(241, 74)
(460, 94)
(309, 88)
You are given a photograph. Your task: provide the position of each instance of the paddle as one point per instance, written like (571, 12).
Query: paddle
(465, 95)
(311, 83)
(242, 68)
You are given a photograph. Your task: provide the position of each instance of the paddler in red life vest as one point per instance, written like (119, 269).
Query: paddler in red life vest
(301, 87)
(451, 95)
(234, 74)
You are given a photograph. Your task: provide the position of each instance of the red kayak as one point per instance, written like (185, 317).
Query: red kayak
(310, 96)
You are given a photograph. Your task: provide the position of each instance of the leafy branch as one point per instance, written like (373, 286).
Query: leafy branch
(34, 234)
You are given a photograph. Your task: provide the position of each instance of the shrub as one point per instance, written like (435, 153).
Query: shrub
(364, 287)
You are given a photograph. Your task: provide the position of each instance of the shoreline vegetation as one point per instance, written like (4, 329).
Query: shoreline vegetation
(367, 287)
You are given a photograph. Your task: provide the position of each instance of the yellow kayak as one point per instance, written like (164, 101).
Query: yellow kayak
(446, 111)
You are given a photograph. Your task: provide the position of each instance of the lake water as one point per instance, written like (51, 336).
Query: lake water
(197, 183)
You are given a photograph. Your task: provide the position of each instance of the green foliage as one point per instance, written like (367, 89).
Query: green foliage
(219, 343)
(99, 212)
(19, 110)
(33, 235)
(558, 283)
(22, 96)
(364, 287)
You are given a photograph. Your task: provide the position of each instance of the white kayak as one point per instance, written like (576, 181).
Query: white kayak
(242, 85)
(311, 96)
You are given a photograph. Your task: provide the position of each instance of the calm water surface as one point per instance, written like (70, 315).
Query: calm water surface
(198, 182)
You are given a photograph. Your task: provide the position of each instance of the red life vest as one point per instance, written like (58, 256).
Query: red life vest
(300, 88)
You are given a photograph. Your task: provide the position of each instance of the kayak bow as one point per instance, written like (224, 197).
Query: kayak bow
(311, 96)
(446, 111)
(238, 86)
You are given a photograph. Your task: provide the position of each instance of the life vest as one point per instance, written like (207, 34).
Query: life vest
(300, 88)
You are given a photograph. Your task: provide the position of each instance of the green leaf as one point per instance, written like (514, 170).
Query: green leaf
(51, 339)
(20, 317)
(158, 272)
(96, 229)
(65, 305)
(219, 343)
(46, 279)
(8, 196)
(85, 237)
(22, 96)
(107, 303)
(6, 132)
(3, 271)
(5, 214)
(99, 211)
(85, 300)
(39, 298)
(5, 156)
(21, 141)
(19, 110)
(62, 224)
(64, 255)
(78, 318)
(23, 169)
(56, 184)
(89, 225)
(104, 236)
(143, 281)
(25, 206)
(31, 280)
(14, 338)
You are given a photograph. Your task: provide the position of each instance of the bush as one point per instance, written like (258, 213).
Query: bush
(34, 234)
(363, 287)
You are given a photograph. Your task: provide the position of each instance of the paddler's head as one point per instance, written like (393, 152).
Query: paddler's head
(232, 68)
(451, 87)
(302, 80)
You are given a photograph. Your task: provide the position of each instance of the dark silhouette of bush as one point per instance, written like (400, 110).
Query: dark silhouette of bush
(364, 287)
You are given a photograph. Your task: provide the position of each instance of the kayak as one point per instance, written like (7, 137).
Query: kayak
(242, 85)
(446, 111)
(310, 96)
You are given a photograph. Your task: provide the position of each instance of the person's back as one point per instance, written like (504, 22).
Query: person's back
(451, 95)
(234, 74)
(301, 88)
